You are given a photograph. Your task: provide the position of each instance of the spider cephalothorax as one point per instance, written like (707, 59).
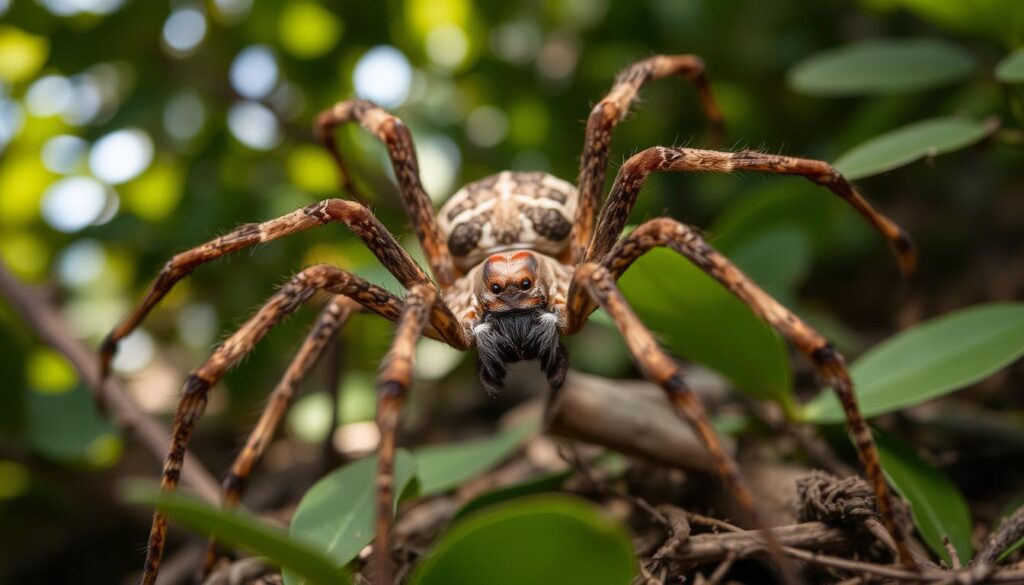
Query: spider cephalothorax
(515, 260)
(517, 322)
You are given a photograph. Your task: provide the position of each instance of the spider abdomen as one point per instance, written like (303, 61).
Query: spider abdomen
(509, 210)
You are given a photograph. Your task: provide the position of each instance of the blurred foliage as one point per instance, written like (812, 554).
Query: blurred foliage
(130, 131)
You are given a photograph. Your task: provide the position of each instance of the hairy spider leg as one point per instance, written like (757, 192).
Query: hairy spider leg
(330, 321)
(229, 353)
(593, 283)
(353, 215)
(398, 141)
(393, 383)
(666, 232)
(635, 171)
(613, 109)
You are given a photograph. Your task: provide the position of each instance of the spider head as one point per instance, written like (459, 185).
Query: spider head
(512, 281)
(517, 323)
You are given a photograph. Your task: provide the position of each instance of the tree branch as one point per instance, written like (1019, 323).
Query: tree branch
(52, 330)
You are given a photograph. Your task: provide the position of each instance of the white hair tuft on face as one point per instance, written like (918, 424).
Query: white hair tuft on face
(549, 317)
(481, 328)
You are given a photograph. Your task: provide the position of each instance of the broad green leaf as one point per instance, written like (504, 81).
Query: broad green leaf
(999, 19)
(905, 145)
(1011, 68)
(936, 504)
(242, 530)
(540, 539)
(776, 259)
(931, 359)
(700, 320)
(535, 485)
(881, 66)
(611, 463)
(336, 516)
(829, 223)
(440, 468)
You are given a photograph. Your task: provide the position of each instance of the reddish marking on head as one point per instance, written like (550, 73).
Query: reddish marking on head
(510, 281)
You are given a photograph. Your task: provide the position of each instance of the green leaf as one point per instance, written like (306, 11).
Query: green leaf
(700, 320)
(881, 66)
(336, 515)
(535, 485)
(936, 504)
(1011, 68)
(931, 359)
(776, 259)
(440, 468)
(541, 539)
(999, 19)
(241, 530)
(905, 145)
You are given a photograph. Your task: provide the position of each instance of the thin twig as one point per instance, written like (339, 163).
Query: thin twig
(1010, 531)
(951, 551)
(52, 330)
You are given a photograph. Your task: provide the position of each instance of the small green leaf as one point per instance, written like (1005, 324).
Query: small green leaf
(239, 529)
(1011, 68)
(881, 66)
(929, 360)
(336, 515)
(540, 539)
(936, 504)
(440, 468)
(700, 320)
(900, 147)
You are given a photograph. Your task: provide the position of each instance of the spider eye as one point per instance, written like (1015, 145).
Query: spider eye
(495, 288)
(525, 284)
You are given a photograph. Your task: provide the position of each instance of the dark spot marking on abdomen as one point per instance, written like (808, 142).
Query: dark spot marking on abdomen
(549, 223)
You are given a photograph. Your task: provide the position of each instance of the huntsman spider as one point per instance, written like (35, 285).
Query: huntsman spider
(516, 260)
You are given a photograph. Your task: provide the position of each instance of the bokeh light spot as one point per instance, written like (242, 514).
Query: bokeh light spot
(310, 418)
(232, 11)
(486, 126)
(440, 162)
(135, 352)
(516, 41)
(81, 263)
(49, 372)
(308, 30)
(183, 30)
(184, 116)
(49, 96)
(14, 477)
(254, 125)
(73, 203)
(197, 324)
(254, 73)
(21, 54)
(311, 169)
(64, 154)
(121, 155)
(447, 45)
(12, 120)
(383, 75)
(155, 194)
(25, 254)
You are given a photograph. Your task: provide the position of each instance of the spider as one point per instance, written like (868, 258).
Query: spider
(516, 260)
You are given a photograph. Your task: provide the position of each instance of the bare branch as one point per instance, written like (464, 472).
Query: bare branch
(51, 329)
